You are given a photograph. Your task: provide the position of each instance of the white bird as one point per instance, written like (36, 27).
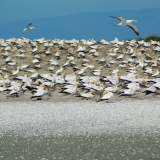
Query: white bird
(106, 96)
(35, 75)
(16, 72)
(6, 75)
(29, 27)
(157, 85)
(66, 64)
(26, 79)
(7, 81)
(24, 66)
(151, 89)
(21, 55)
(133, 85)
(57, 55)
(37, 66)
(86, 95)
(51, 68)
(12, 63)
(14, 91)
(71, 77)
(156, 73)
(8, 48)
(59, 70)
(60, 79)
(41, 91)
(35, 49)
(113, 89)
(2, 82)
(3, 88)
(128, 23)
(35, 61)
(96, 72)
(128, 92)
(8, 59)
(14, 84)
(48, 52)
(82, 71)
(53, 62)
(5, 54)
(70, 90)
(81, 49)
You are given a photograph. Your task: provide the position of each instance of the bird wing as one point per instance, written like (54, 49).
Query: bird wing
(24, 29)
(29, 25)
(27, 28)
(134, 28)
(119, 18)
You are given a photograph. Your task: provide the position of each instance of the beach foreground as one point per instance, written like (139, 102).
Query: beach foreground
(76, 130)
(77, 117)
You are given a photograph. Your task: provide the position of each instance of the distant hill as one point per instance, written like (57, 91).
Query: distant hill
(97, 25)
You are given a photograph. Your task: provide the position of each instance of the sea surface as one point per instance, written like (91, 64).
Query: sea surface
(45, 130)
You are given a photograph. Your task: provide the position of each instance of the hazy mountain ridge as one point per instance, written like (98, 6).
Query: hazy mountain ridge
(97, 25)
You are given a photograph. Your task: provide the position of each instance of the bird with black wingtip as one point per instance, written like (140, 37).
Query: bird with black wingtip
(128, 23)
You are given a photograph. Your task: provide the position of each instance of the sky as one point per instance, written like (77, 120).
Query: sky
(14, 10)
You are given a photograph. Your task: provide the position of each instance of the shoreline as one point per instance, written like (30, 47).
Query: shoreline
(60, 97)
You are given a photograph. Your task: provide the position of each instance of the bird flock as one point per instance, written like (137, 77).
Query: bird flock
(81, 68)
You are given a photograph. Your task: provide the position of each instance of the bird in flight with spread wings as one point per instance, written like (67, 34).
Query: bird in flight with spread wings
(29, 27)
(128, 23)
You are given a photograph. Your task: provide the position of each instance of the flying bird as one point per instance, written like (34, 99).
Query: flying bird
(128, 23)
(29, 27)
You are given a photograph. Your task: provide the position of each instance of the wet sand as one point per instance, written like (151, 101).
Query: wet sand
(79, 117)
(80, 129)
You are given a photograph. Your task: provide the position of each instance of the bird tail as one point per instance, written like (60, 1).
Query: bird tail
(78, 96)
(99, 100)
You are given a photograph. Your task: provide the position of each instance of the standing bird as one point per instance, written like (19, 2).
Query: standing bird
(128, 23)
(106, 96)
(41, 91)
(29, 27)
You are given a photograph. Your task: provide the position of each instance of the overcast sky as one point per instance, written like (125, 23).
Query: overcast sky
(13, 10)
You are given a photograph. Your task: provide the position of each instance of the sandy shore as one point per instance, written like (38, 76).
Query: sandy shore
(113, 60)
(59, 97)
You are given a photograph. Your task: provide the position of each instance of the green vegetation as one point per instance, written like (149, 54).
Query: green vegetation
(149, 38)
(152, 37)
